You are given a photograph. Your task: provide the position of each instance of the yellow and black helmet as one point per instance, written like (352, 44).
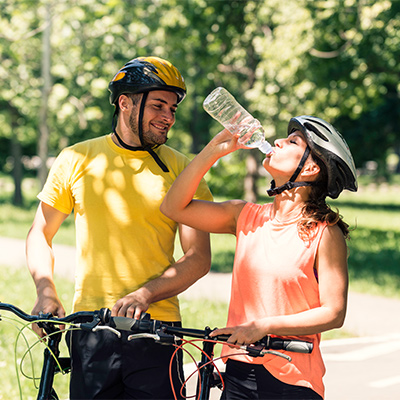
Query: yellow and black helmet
(144, 74)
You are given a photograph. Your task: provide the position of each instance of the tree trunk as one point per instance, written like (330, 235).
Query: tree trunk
(46, 77)
(16, 154)
(397, 152)
(195, 124)
(250, 180)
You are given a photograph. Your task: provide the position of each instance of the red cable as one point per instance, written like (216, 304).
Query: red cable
(211, 361)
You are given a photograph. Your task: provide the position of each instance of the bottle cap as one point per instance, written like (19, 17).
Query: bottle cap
(265, 148)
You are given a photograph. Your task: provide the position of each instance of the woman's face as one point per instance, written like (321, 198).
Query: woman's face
(285, 157)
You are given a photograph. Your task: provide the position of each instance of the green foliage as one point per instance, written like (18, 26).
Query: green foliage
(227, 175)
(373, 215)
(223, 252)
(201, 313)
(16, 221)
(335, 59)
(355, 72)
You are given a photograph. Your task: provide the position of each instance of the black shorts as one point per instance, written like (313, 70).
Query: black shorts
(253, 381)
(106, 367)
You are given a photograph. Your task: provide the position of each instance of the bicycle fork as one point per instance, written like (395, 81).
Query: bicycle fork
(46, 391)
(206, 369)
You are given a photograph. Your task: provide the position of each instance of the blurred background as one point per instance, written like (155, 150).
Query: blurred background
(336, 59)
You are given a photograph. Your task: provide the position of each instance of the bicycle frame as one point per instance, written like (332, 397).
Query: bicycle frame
(51, 354)
(46, 390)
(207, 369)
(147, 328)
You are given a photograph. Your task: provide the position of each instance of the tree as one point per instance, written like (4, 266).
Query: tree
(335, 59)
(44, 131)
(19, 92)
(355, 70)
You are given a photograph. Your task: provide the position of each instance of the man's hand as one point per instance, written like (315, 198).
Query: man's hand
(132, 305)
(40, 260)
(49, 303)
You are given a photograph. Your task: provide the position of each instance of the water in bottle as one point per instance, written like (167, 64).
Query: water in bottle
(223, 107)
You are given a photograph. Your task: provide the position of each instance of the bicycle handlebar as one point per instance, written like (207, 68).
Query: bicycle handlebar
(102, 319)
(49, 317)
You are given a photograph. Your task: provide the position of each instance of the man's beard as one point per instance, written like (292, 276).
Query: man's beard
(149, 138)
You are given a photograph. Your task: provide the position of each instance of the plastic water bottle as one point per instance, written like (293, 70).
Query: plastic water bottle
(223, 107)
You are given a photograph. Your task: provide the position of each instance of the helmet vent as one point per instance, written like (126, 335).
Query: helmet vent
(312, 128)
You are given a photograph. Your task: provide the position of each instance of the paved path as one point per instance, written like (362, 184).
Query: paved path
(366, 316)
(361, 368)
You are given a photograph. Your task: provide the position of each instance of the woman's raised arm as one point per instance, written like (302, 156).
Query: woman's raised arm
(209, 216)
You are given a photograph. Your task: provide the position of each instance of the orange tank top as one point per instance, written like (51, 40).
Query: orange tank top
(273, 274)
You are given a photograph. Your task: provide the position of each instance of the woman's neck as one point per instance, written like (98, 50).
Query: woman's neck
(288, 205)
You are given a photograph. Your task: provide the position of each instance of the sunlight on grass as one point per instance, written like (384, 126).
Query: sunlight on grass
(374, 259)
(17, 288)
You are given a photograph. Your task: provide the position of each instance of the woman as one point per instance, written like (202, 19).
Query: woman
(290, 270)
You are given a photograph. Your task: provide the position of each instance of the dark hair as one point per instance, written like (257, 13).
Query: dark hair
(135, 97)
(316, 209)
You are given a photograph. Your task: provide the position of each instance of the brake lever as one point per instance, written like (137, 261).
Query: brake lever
(160, 337)
(143, 336)
(93, 325)
(43, 316)
(276, 353)
(259, 351)
(107, 328)
(89, 326)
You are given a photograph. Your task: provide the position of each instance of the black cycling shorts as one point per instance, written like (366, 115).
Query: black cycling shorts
(106, 367)
(253, 381)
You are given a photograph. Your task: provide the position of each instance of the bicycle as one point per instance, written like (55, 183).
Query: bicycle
(145, 327)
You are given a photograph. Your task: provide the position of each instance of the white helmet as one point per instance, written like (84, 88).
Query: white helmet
(328, 145)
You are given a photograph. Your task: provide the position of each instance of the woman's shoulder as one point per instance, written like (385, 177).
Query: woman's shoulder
(332, 233)
(253, 208)
(252, 214)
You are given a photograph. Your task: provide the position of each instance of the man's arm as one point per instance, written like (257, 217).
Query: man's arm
(40, 259)
(194, 264)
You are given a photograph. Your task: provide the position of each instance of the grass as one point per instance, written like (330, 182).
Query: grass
(373, 214)
(374, 251)
(374, 258)
(17, 288)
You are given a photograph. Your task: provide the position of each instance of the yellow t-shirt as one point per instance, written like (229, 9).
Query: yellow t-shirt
(122, 238)
(273, 274)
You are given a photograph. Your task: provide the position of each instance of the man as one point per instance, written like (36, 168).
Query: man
(115, 184)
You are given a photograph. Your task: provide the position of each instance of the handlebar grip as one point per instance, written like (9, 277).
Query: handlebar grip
(123, 323)
(142, 325)
(296, 346)
(300, 347)
(120, 323)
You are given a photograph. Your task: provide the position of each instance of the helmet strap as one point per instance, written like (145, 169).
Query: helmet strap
(291, 184)
(148, 148)
(141, 114)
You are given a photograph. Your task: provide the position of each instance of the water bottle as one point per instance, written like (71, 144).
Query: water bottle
(223, 107)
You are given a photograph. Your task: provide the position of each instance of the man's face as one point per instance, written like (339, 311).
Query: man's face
(158, 117)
